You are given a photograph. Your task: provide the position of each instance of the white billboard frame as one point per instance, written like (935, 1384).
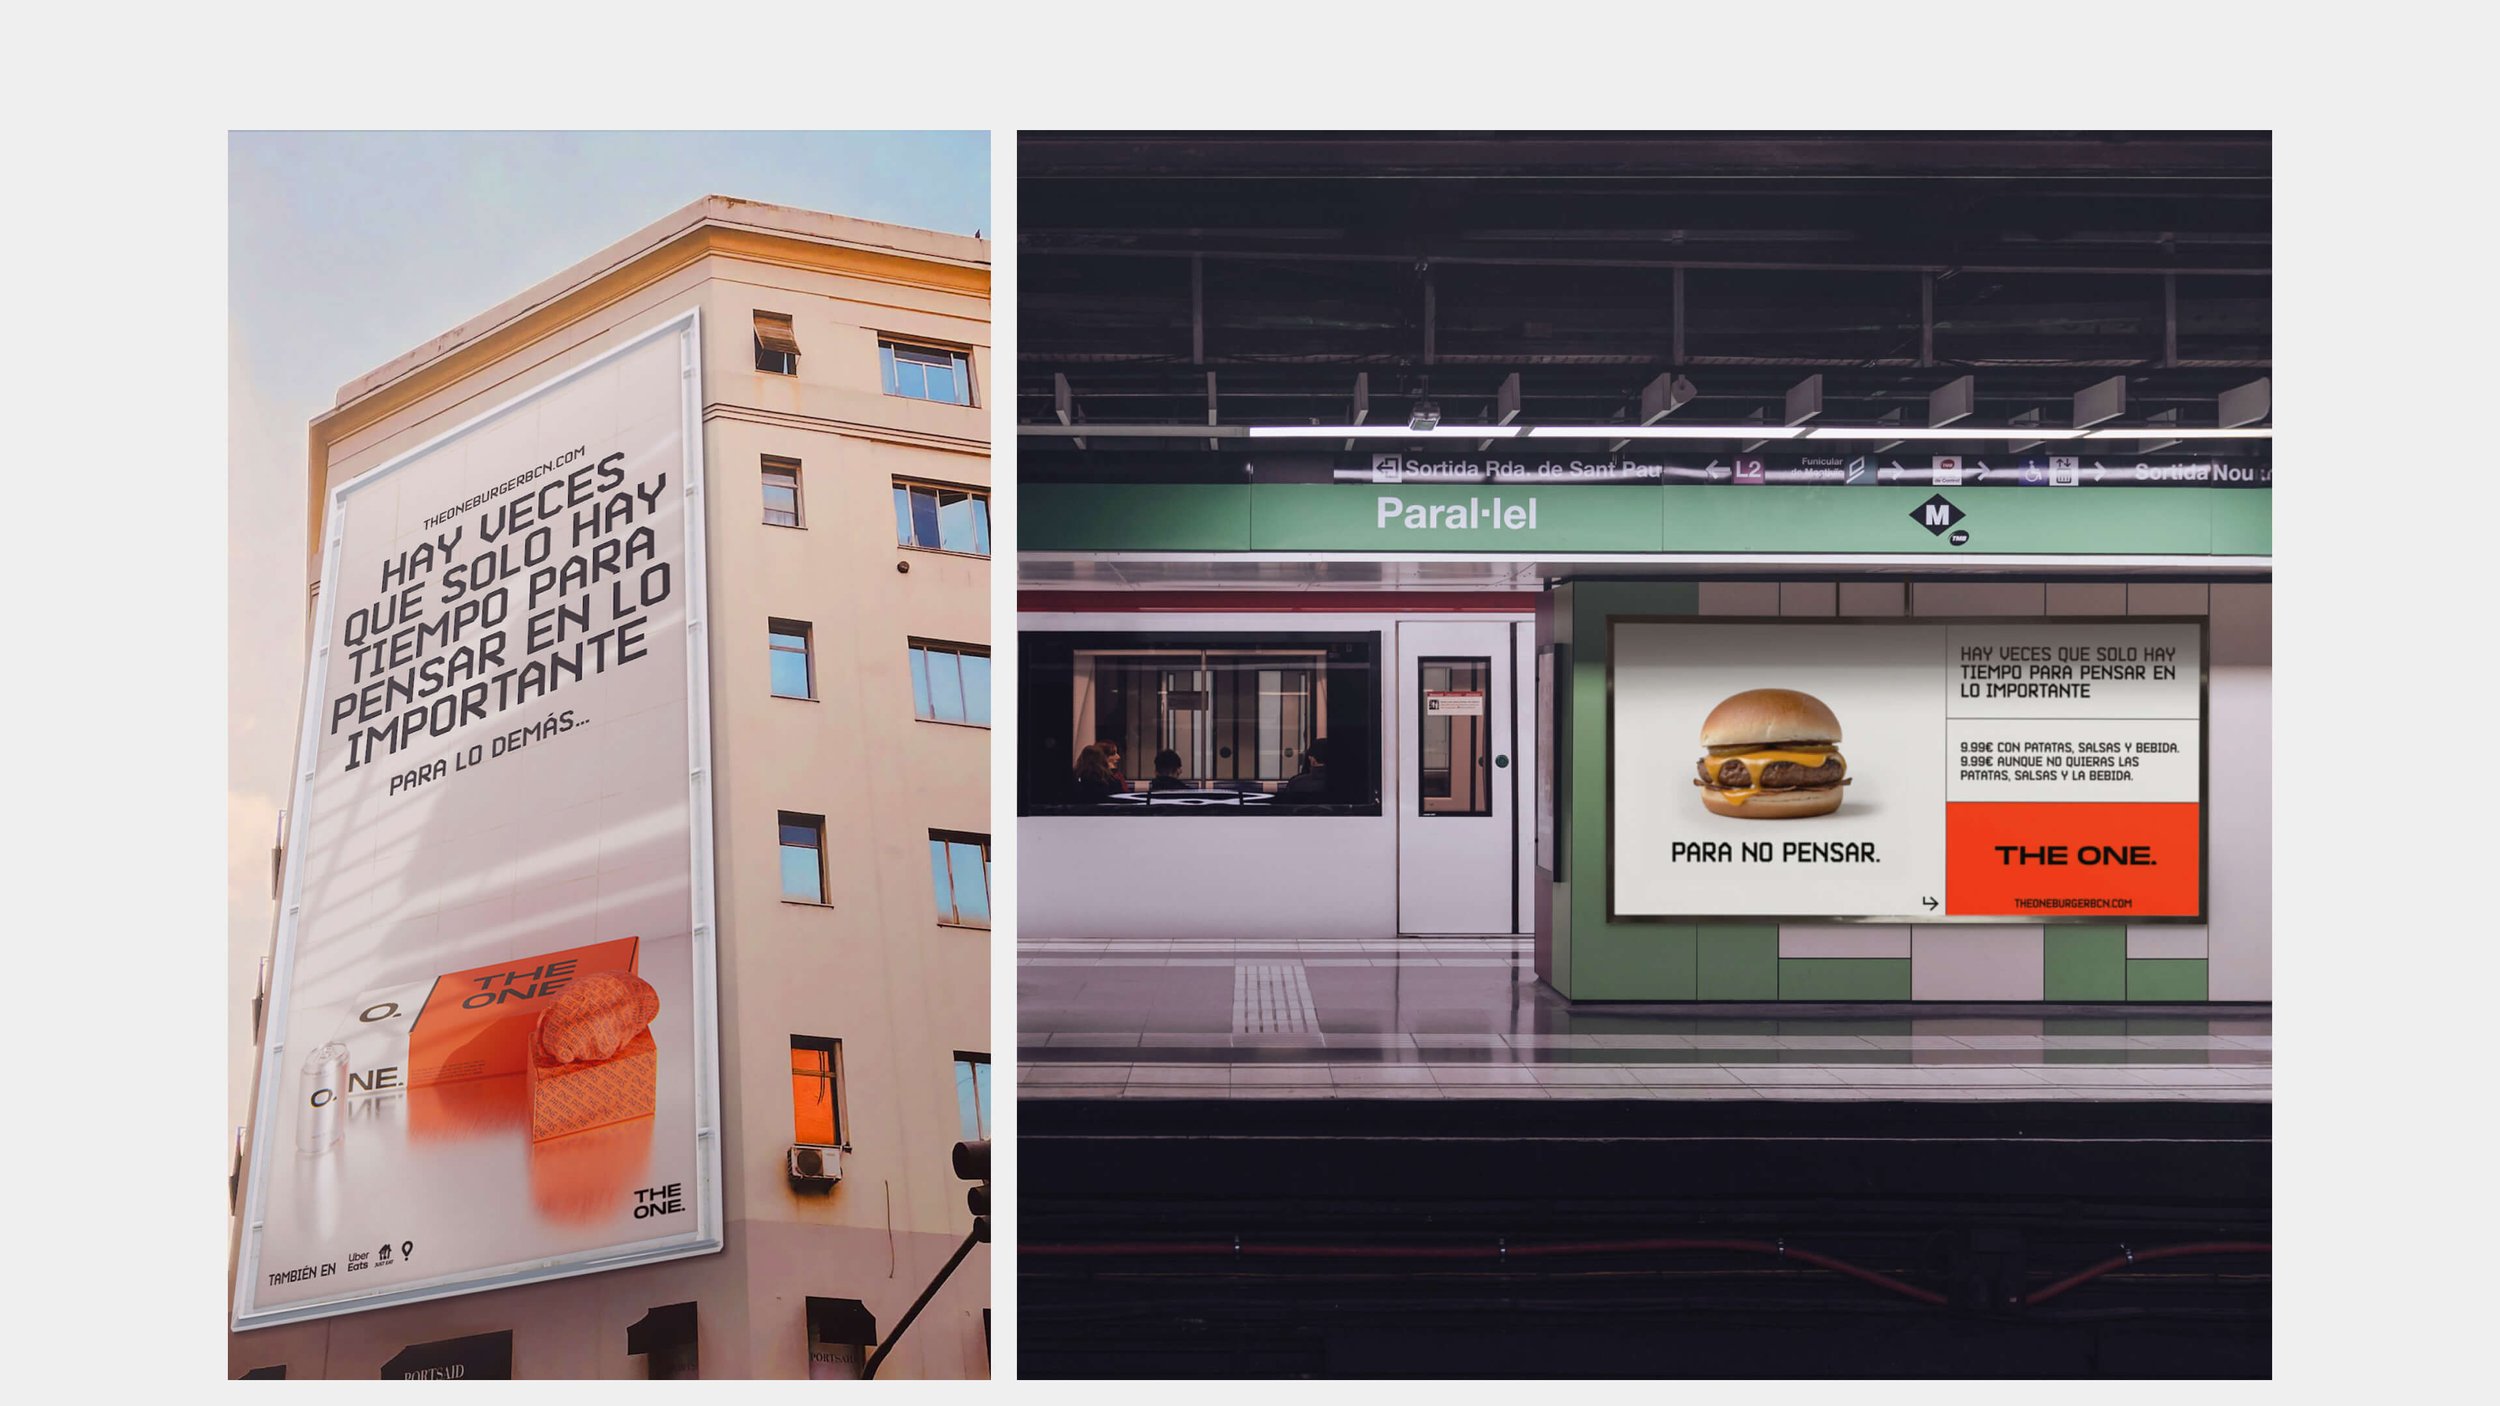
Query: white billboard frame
(708, 1235)
(2202, 917)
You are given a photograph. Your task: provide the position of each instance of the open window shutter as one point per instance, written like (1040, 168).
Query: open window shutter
(772, 332)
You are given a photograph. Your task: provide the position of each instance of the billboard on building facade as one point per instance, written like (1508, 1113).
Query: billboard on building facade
(490, 1052)
(2005, 770)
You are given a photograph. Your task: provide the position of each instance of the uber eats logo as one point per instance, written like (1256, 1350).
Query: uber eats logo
(1938, 516)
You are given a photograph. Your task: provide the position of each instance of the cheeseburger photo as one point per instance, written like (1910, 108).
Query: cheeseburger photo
(1771, 754)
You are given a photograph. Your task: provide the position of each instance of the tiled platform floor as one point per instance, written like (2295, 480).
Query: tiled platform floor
(1466, 1018)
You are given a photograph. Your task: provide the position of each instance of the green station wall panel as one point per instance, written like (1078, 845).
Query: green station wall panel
(1844, 978)
(2243, 522)
(2084, 964)
(2135, 521)
(1739, 962)
(1583, 518)
(1606, 960)
(1133, 517)
(1655, 965)
(2166, 979)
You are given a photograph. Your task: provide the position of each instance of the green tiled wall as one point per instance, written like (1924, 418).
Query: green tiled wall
(2084, 964)
(1658, 965)
(1597, 958)
(1844, 978)
(2165, 978)
(1739, 962)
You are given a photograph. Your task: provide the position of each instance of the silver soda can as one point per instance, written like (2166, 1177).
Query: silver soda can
(321, 1101)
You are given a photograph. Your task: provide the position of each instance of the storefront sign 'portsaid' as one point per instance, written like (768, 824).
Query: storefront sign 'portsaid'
(490, 1044)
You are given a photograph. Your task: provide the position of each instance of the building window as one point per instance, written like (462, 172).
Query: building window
(802, 858)
(959, 868)
(1138, 723)
(664, 1339)
(794, 675)
(816, 1091)
(840, 1335)
(972, 1094)
(926, 373)
(942, 519)
(950, 683)
(776, 346)
(781, 492)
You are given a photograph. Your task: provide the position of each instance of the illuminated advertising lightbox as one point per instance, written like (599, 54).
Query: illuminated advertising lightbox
(490, 1049)
(2005, 770)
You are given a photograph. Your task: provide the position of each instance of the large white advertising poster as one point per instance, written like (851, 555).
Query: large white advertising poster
(2005, 770)
(490, 1051)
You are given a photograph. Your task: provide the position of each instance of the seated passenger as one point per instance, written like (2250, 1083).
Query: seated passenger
(1111, 762)
(1311, 784)
(1167, 772)
(1095, 780)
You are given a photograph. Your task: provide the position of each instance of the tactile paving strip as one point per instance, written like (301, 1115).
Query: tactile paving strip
(1272, 998)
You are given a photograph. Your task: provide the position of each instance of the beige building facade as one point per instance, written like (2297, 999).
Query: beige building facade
(846, 380)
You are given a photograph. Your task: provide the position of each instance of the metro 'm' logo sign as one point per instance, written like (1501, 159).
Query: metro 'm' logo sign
(1937, 514)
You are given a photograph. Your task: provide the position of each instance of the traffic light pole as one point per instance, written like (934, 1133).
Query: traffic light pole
(976, 1237)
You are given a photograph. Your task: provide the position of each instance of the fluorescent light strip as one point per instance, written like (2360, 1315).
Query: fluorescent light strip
(1378, 432)
(1893, 432)
(1665, 432)
(1903, 434)
(2168, 432)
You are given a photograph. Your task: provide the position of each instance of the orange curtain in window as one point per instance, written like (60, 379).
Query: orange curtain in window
(811, 1097)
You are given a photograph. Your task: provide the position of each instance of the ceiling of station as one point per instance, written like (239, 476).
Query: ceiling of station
(1437, 265)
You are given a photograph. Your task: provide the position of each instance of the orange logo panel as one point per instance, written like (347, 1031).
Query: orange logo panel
(2114, 861)
(476, 1024)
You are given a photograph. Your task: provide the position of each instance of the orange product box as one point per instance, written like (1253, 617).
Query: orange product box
(2112, 861)
(588, 1178)
(476, 1023)
(569, 1098)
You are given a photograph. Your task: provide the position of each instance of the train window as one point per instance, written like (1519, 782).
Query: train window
(1454, 762)
(1136, 723)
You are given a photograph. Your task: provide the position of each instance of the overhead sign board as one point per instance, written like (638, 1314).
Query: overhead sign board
(1686, 469)
(490, 1054)
(1581, 519)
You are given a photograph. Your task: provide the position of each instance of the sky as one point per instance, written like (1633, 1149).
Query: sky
(346, 249)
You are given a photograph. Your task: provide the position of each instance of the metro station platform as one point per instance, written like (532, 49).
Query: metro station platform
(1466, 1018)
(1317, 1158)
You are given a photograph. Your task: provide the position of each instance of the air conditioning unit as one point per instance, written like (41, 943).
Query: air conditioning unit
(814, 1168)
